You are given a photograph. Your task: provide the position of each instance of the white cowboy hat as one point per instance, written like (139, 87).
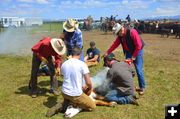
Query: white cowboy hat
(70, 25)
(116, 28)
(58, 45)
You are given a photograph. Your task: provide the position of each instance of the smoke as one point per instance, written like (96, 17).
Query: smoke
(16, 41)
(100, 82)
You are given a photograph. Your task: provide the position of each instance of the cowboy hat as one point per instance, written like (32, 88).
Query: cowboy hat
(116, 28)
(70, 25)
(58, 45)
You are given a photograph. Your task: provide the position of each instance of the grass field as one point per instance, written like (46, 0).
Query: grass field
(162, 77)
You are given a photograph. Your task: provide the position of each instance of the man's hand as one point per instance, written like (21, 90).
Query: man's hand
(86, 90)
(44, 60)
(58, 71)
(104, 55)
(69, 57)
(133, 58)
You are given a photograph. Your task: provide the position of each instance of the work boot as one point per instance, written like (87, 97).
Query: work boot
(56, 93)
(141, 91)
(34, 94)
(133, 100)
(53, 110)
(136, 95)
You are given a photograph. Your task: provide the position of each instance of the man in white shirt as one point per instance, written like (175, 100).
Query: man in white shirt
(73, 71)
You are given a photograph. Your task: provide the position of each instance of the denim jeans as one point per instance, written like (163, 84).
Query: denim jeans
(117, 96)
(35, 67)
(138, 63)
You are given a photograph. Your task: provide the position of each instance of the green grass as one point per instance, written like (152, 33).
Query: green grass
(48, 27)
(52, 27)
(162, 77)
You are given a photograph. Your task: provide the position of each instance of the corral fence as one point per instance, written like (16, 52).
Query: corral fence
(47, 26)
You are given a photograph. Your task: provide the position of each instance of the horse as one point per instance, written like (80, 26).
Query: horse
(107, 24)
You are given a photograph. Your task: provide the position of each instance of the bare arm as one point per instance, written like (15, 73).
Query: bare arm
(93, 59)
(88, 83)
(86, 58)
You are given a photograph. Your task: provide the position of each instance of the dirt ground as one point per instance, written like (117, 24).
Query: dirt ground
(166, 48)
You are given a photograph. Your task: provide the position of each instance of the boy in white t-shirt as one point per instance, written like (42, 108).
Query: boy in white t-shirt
(73, 71)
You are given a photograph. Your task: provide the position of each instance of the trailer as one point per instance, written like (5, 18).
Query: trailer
(18, 22)
(12, 21)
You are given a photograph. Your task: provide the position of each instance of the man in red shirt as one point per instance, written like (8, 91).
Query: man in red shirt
(133, 49)
(43, 52)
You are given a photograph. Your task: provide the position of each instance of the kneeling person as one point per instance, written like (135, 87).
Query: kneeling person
(93, 55)
(120, 75)
(73, 71)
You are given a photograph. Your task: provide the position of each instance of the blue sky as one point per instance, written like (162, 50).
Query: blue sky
(62, 9)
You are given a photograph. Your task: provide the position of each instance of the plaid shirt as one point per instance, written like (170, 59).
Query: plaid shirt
(72, 40)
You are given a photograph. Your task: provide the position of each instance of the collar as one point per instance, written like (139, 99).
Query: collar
(112, 62)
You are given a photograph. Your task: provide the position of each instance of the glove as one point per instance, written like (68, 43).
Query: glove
(62, 36)
(44, 60)
(58, 71)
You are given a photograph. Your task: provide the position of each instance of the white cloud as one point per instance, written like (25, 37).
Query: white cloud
(35, 1)
(163, 1)
(24, 5)
(125, 2)
(4, 2)
(85, 4)
(136, 8)
(18, 11)
(167, 12)
(25, 0)
(42, 1)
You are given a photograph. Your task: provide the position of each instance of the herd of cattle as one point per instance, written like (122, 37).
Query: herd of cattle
(163, 28)
(155, 27)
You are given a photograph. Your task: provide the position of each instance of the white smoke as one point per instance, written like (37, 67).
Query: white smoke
(16, 41)
(100, 82)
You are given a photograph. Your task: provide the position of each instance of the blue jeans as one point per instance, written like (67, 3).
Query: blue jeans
(117, 96)
(138, 63)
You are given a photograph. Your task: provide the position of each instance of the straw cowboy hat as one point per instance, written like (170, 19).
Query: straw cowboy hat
(116, 28)
(58, 46)
(70, 25)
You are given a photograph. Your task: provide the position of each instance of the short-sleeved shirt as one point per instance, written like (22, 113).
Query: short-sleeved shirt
(92, 52)
(73, 71)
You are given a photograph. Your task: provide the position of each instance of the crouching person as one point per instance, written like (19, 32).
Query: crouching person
(43, 52)
(120, 75)
(73, 71)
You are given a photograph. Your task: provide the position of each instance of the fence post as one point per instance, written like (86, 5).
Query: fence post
(50, 26)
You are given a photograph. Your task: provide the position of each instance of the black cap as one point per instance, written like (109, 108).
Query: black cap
(92, 43)
(109, 57)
